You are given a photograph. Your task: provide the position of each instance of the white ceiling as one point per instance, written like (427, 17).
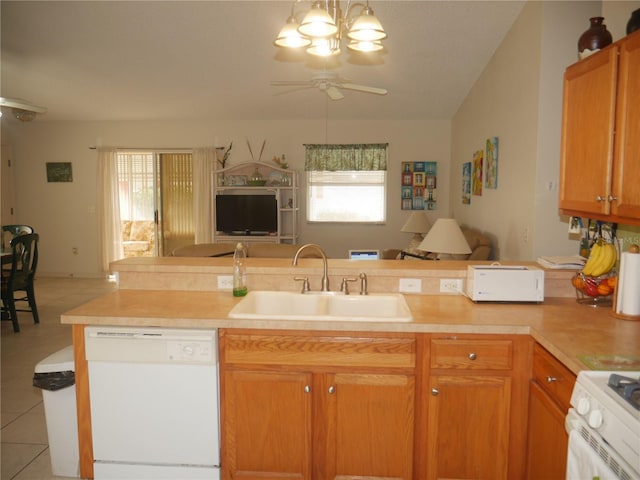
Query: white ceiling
(209, 60)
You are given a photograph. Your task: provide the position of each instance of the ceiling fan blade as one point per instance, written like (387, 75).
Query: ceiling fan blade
(334, 93)
(291, 90)
(364, 88)
(290, 83)
(21, 105)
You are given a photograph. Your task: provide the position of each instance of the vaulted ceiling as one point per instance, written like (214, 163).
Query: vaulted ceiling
(211, 60)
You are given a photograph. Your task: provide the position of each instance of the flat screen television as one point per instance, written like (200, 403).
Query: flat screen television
(246, 214)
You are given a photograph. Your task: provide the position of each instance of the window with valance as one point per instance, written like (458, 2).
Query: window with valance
(346, 183)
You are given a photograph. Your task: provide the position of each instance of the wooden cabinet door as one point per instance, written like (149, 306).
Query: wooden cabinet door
(267, 425)
(587, 133)
(548, 439)
(468, 427)
(368, 420)
(626, 187)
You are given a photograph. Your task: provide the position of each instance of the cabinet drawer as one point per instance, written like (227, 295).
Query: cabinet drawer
(552, 376)
(472, 354)
(319, 350)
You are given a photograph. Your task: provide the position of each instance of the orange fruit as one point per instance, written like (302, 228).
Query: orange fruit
(578, 282)
(604, 289)
(612, 282)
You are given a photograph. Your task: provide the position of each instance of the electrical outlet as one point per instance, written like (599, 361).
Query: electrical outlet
(410, 285)
(450, 285)
(225, 282)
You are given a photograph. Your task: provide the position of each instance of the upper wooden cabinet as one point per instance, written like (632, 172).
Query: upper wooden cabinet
(600, 156)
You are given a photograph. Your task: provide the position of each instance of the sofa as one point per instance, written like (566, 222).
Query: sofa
(257, 250)
(478, 242)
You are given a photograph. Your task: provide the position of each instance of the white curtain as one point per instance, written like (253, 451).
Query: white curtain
(203, 165)
(108, 200)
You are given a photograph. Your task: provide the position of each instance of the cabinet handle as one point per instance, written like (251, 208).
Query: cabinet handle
(435, 392)
(601, 198)
(307, 389)
(332, 390)
(551, 379)
(472, 356)
(612, 198)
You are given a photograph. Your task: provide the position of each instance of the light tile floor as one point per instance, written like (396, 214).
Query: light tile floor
(25, 450)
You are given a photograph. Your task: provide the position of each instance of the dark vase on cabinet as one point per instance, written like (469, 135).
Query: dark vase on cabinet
(594, 38)
(634, 22)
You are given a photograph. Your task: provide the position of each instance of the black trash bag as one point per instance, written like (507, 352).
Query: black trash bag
(53, 381)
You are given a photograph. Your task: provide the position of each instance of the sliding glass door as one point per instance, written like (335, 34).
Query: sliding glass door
(156, 202)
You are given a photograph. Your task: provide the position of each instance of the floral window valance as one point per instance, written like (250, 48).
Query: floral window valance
(349, 157)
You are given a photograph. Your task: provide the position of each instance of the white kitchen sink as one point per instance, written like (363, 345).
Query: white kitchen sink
(271, 305)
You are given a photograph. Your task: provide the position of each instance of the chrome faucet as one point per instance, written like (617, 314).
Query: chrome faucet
(325, 276)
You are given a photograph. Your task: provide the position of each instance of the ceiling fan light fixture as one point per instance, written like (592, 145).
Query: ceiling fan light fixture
(365, 47)
(290, 37)
(366, 27)
(318, 23)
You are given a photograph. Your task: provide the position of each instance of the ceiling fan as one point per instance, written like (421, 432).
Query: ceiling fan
(328, 82)
(21, 109)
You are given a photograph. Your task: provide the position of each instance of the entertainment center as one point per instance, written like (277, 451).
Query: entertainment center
(255, 202)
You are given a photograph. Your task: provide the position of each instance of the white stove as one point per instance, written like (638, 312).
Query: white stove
(606, 412)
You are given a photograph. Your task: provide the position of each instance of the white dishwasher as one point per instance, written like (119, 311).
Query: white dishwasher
(154, 403)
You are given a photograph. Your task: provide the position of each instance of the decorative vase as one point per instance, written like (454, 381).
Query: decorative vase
(634, 22)
(594, 38)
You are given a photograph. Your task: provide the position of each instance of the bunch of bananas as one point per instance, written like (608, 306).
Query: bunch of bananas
(601, 260)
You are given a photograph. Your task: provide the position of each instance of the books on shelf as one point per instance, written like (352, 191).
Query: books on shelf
(570, 262)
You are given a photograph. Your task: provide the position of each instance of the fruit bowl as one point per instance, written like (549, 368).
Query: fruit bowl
(595, 291)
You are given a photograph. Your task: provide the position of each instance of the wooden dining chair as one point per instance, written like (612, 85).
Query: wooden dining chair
(9, 232)
(24, 261)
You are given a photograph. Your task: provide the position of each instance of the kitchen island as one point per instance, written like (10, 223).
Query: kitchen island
(182, 293)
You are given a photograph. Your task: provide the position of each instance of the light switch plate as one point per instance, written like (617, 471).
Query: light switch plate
(410, 285)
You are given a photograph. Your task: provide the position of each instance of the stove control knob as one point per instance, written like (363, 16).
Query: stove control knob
(595, 419)
(583, 406)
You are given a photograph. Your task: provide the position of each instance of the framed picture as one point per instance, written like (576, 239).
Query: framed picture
(466, 183)
(418, 185)
(491, 171)
(59, 172)
(476, 181)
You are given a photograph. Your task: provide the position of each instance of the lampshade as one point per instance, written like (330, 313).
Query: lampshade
(318, 23)
(362, 46)
(445, 237)
(324, 47)
(290, 37)
(366, 27)
(416, 223)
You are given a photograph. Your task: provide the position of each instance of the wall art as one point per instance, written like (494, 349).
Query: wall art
(59, 172)
(466, 183)
(491, 168)
(419, 185)
(476, 181)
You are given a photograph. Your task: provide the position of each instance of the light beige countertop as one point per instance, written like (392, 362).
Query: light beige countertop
(568, 330)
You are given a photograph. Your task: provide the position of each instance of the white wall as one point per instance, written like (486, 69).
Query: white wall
(503, 103)
(518, 98)
(64, 213)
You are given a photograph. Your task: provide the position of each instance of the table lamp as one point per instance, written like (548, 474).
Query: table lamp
(418, 224)
(445, 238)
